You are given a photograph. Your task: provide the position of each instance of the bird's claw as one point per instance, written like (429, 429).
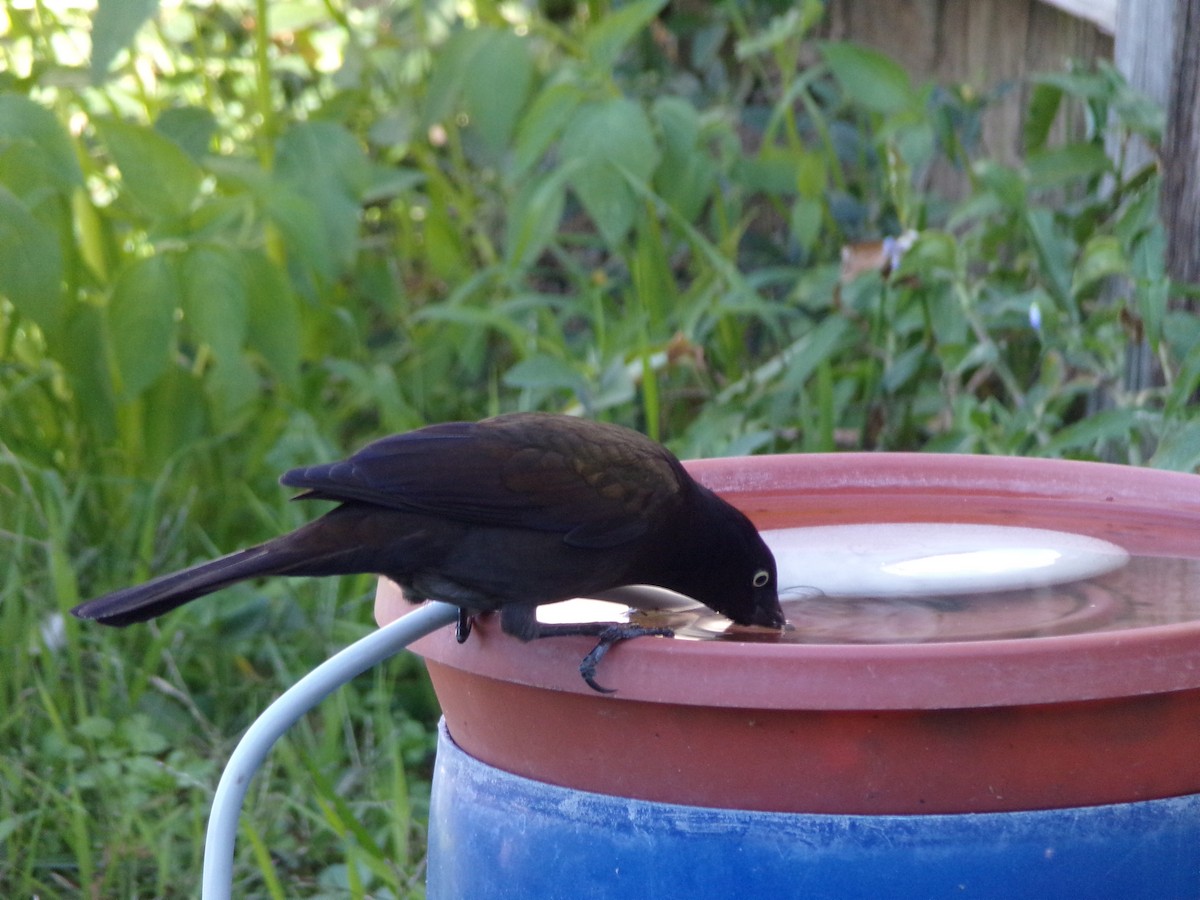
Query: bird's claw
(614, 634)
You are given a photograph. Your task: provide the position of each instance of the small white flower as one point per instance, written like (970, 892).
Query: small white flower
(54, 632)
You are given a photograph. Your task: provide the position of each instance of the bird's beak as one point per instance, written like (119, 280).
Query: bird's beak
(769, 617)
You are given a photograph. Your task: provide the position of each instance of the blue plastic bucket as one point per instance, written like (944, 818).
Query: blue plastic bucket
(497, 835)
(1049, 748)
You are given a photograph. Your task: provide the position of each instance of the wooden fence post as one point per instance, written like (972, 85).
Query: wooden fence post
(1181, 148)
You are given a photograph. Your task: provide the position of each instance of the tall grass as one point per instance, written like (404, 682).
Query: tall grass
(114, 741)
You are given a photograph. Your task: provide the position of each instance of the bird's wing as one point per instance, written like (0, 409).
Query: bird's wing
(599, 485)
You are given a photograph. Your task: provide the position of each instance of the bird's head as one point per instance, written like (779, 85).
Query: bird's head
(728, 566)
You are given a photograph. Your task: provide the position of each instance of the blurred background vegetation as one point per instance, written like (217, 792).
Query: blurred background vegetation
(237, 237)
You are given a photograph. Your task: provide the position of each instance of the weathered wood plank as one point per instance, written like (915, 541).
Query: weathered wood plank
(1181, 148)
(1101, 13)
(987, 44)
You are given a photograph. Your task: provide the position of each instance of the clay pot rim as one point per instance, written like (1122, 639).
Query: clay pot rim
(831, 473)
(950, 675)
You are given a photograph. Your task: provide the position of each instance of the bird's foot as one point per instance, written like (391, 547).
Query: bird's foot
(609, 633)
(614, 634)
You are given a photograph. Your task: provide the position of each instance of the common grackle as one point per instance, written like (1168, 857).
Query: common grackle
(504, 514)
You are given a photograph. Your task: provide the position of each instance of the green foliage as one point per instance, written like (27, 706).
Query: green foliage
(243, 236)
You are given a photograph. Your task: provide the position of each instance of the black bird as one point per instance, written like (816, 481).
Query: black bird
(504, 514)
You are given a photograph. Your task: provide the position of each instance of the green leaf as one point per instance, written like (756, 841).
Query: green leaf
(273, 323)
(1151, 285)
(1179, 449)
(31, 265)
(805, 223)
(23, 121)
(325, 157)
(795, 364)
(83, 352)
(1044, 103)
(485, 75)
(610, 141)
(191, 127)
(306, 236)
(679, 123)
(773, 172)
(686, 176)
(1139, 216)
(820, 344)
(1082, 84)
(24, 172)
(141, 321)
(609, 37)
(1051, 168)
(812, 176)
(475, 318)
(616, 385)
(497, 86)
(1183, 335)
(1153, 299)
(215, 303)
(323, 163)
(901, 370)
(155, 171)
(1053, 249)
(654, 285)
(1005, 185)
(447, 247)
(534, 217)
(294, 214)
(869, 78)
(449, 71)
(790, 26)
(544, 372)
(1111, 425)
(114, 27)
(934, 256)
(233, 386)
(1101, 258)
(1139, 113)
(176, 415)
(543, 123)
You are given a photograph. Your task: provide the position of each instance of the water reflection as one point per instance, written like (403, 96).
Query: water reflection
(1122, 592)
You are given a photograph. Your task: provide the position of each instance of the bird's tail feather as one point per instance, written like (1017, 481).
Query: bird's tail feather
(165, 593)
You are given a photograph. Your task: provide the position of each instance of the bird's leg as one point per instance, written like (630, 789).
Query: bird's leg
(418, 594)
(462, 630)
(609, 633)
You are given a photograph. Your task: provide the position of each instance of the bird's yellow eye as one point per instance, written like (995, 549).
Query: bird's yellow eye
(761, 578)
